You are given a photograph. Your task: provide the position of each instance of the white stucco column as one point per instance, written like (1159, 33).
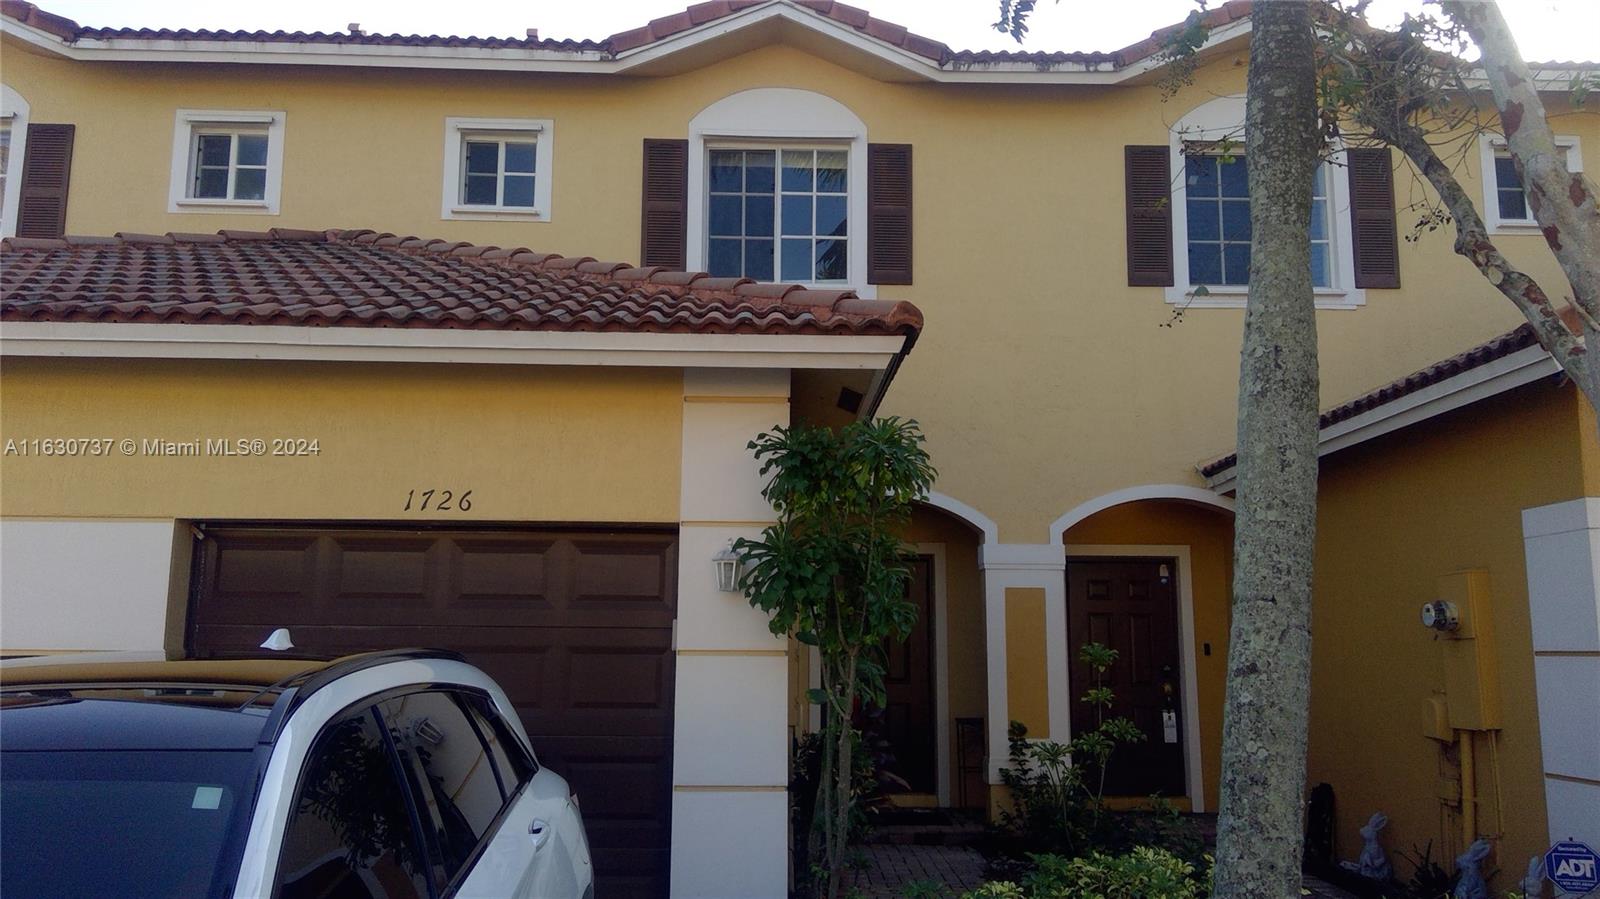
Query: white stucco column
(79, 584)
(1031, 565)
(1562, 546)
(730, 803)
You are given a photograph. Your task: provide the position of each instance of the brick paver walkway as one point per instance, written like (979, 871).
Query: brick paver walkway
(889, 869)
(886, 871)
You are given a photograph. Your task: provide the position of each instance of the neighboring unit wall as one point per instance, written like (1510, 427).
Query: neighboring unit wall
(1563, 551)
(1397, 514)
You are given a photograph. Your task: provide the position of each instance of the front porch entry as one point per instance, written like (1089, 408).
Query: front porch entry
(1130, 604)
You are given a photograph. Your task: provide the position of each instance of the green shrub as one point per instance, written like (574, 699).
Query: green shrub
(1144, 873)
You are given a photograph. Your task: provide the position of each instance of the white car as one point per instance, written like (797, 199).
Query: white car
(389, 775)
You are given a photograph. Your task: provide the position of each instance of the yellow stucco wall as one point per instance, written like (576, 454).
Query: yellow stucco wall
(1396, 514)
(1209, 535)
(531, 443)
(1025, 661)
(1036, 350)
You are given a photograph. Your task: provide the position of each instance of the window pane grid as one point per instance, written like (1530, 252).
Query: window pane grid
(1510, 194)
(1217, 200)
(498, 173)
(229, 166)
(778, 213)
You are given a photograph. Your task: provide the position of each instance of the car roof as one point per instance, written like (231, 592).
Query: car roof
(83, 721)
(144, 700)
(150, 668)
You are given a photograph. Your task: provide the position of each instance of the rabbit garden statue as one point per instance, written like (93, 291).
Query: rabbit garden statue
(1373, 864)
(1469, 872)
(1532, 886)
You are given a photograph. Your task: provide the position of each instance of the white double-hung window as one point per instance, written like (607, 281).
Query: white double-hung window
(227, 161)
(1505, 206)
(497, 169)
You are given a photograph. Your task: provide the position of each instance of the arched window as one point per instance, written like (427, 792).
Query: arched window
(777, 188)
(13, 146)
(1211, 214)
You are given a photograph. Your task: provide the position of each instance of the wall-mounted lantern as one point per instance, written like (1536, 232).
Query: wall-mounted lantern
(726, 562)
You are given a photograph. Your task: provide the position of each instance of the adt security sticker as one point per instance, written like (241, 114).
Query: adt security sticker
(1573, 867)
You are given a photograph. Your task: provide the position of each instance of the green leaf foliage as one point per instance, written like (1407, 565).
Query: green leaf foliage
(832, 573)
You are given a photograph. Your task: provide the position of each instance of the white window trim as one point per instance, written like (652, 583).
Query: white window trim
(185, 125)
(1223, 119)
(14, 109)
(772, 118)
(458, 129)
(1488, 144)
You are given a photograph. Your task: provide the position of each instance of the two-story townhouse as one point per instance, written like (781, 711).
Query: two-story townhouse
(822, 170)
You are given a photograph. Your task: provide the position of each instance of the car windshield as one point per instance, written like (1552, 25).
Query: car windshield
(152, 823)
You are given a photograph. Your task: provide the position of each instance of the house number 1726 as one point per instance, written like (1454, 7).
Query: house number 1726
(437, 500)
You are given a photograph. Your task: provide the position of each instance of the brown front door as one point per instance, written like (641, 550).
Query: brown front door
(1131, 606)
(575, 626)
(907, 721)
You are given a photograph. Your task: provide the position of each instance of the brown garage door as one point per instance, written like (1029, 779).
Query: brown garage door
(576, 626)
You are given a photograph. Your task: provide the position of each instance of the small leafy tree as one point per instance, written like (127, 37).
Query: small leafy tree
(832, 574)
(1058, 789)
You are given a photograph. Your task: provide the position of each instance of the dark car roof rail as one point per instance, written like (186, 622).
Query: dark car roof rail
(296, 689)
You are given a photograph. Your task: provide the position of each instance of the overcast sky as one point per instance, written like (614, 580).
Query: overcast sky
(1545, 29)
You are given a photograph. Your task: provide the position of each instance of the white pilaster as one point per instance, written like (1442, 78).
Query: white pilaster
(74, 584)
(1041, 565)
(1562, 547)
(730, 731)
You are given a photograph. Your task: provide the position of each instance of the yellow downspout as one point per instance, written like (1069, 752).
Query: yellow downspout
(1469, 789)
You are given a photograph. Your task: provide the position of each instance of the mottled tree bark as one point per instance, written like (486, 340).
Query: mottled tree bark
(1269, 650)
(1562, 203)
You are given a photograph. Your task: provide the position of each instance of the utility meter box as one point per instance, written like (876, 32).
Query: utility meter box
(1471, 674)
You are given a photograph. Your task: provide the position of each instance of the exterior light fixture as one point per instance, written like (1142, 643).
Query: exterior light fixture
(726, 563)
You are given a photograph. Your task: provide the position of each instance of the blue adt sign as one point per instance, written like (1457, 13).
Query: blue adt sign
(1573, 866)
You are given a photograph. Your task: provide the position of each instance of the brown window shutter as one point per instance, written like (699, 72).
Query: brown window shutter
(46, 171)
(665, 233)
(1148, 195)
(889, 213)
(1372, 220)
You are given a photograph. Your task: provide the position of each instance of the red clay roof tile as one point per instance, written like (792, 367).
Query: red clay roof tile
(358, 278)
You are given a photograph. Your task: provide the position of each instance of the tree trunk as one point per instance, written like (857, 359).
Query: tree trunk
(1562, 202)
(1269, 653)
(843, 776)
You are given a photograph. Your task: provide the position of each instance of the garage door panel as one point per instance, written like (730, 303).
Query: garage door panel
(575, 626)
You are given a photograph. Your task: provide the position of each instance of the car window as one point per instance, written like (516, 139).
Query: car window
(350, 834)
(449, 772)
(511, 759)
(114, 823)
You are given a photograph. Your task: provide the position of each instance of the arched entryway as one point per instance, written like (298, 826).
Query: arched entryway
(1148, 572)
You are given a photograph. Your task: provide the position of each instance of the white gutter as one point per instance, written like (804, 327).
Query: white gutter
(1522, 367)
(117, 340)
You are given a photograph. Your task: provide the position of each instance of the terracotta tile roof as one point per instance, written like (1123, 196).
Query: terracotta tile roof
(365, 279)
(1500, 347)
(656, 30)
(71, 31)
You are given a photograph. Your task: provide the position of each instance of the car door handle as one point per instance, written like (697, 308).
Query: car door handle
(540, 831)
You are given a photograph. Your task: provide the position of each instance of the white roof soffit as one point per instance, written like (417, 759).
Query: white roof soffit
(700, 45)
